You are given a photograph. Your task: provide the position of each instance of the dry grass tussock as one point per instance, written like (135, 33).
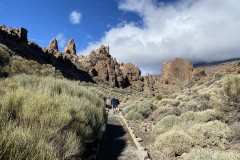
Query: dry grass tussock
(47, 118)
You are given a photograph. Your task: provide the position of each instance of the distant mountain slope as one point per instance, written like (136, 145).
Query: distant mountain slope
(217, 66)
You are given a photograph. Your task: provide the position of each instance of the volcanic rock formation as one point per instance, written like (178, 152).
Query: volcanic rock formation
(179, 71)
(99, 64)
(71, 48)
(53, 46)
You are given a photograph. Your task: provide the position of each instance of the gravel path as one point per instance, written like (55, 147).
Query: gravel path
(117, 143)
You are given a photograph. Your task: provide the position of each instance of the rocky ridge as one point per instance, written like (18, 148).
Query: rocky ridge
(99, 64)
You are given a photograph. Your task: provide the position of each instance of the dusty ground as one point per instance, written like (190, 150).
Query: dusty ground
(117, 143)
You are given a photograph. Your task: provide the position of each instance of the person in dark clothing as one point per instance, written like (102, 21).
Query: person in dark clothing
(113, 103)
(116, 106)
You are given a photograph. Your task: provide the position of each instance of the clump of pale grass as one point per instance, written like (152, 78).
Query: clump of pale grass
(52, 118)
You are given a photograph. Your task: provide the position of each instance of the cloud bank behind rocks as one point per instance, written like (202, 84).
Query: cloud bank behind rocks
(197, 30)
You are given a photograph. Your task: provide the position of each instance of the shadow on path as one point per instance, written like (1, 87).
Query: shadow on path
(113, 142)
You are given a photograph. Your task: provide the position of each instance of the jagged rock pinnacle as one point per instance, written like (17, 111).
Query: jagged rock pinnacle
(53, 45)
(71, 48)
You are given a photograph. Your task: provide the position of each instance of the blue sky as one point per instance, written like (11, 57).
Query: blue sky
(143, 32)
(46, 19)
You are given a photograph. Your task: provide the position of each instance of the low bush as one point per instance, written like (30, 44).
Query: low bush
(168, 122)
(192, 106)
(231, 88)
(144, 108)
(235, 131)
(47, 118)
(165, 124)
(33, 68)
(5, 54)
(138, 110)
(204, 154)
(179, 141)
(162, 110)
(219, 103)
(129, 107)
(168, 103)
(158, 97)
(207, 115)
(210, 133)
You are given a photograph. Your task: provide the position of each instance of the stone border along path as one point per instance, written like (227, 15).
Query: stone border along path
(144, 153)
(118, 142)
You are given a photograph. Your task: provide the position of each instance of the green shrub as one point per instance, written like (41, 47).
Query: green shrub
(235, 131)
(54, 117)
(133, 115)
(5, 54)
(220, 104)
(168, 103)
(231, 88)
(204, 154)
(210, 133)
(192, 106)
(144, 108)
(168, 122)
(157, 97)
(188, 116)
(129, 107)
(138, 110)
(165, 124)
(33, 68)
(179, 141)
(162, 110)
(207, 115)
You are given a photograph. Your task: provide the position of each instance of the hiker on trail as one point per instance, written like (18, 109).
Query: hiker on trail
(113, 103)
(117, 103)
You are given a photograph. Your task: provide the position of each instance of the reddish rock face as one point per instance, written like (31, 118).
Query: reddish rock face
(151, 83)
(103, 66)
(179, 71)
(132, 75)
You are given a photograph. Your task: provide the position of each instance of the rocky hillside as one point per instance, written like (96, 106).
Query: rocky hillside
(99, 65)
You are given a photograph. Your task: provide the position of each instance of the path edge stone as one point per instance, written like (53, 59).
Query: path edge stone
(142, 150)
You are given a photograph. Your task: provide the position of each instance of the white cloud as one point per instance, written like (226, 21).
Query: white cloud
(75, 17)
(62, 40)
(197, 30)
